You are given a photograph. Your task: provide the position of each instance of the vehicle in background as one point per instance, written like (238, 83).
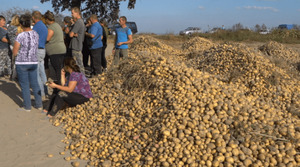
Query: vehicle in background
(264, 32)
(216, 29)
(286, 26)
(129, 24)
(190, 31)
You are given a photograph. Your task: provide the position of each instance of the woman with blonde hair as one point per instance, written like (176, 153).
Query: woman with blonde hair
(13, 30)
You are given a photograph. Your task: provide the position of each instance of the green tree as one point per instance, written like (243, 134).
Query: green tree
(237, 27)
(257, 28)
(9, 13)
(108, 9)
(264, 27)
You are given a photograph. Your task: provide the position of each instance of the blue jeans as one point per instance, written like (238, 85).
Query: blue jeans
(42, 79)
(27, 76)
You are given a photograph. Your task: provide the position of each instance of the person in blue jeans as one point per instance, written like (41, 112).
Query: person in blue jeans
(122, 39)
(25, 50)
(42, 30)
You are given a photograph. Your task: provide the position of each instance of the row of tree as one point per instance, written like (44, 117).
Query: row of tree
(108, 9)
(259, 28)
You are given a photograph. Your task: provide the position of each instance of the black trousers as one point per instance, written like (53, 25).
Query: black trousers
(57, 62)
(85, 56)
(59, 98)
(46, 61)
(96, 60)
(103, 58)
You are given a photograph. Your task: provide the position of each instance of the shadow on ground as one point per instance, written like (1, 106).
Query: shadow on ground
(11, 90)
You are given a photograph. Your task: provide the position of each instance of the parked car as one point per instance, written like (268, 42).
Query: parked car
(190, 31)
(129, 24)
(264, 32)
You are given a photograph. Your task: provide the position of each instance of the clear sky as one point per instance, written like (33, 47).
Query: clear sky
(171, 16)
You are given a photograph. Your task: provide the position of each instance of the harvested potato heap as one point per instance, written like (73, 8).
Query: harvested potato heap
(252, 72)
(197, 44)
(147, 45)
(154, 111)
(279, 52)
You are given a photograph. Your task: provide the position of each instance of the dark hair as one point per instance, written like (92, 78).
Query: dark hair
(2, 17)
(49, 16)
(37, 15)
(76, 10)
(70, 62)
(67, 19)
(124, 18)
(25, 20)
(94, 17)
(103, 21)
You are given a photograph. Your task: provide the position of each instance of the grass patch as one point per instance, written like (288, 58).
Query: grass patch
(281, 36)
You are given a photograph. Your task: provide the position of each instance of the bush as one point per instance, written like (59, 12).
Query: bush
(282, 36)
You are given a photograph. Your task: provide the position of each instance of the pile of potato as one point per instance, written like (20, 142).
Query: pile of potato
(234, 63)
(197, 44)
(277, 51)
(147, 45)
(154, 110)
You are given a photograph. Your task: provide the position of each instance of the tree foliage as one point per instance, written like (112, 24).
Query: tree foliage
(108, 9)
(9, 13)
(257, 28)
(237, 27)
(264, 27)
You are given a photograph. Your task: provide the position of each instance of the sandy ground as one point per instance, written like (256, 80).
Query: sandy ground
(27, 138)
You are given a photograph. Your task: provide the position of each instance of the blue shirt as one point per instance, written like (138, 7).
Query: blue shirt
(96, 30)
(122, 36)
(42, 30)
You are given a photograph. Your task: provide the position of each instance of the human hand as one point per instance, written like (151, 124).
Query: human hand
(62, 72)
(52, 84)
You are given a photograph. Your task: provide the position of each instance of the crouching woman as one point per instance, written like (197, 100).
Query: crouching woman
(74, 90)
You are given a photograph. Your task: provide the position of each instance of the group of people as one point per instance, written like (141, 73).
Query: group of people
(33, 46)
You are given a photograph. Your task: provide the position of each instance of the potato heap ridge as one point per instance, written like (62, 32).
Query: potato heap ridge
(197, 44)
(277, 50)
(147, 45)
